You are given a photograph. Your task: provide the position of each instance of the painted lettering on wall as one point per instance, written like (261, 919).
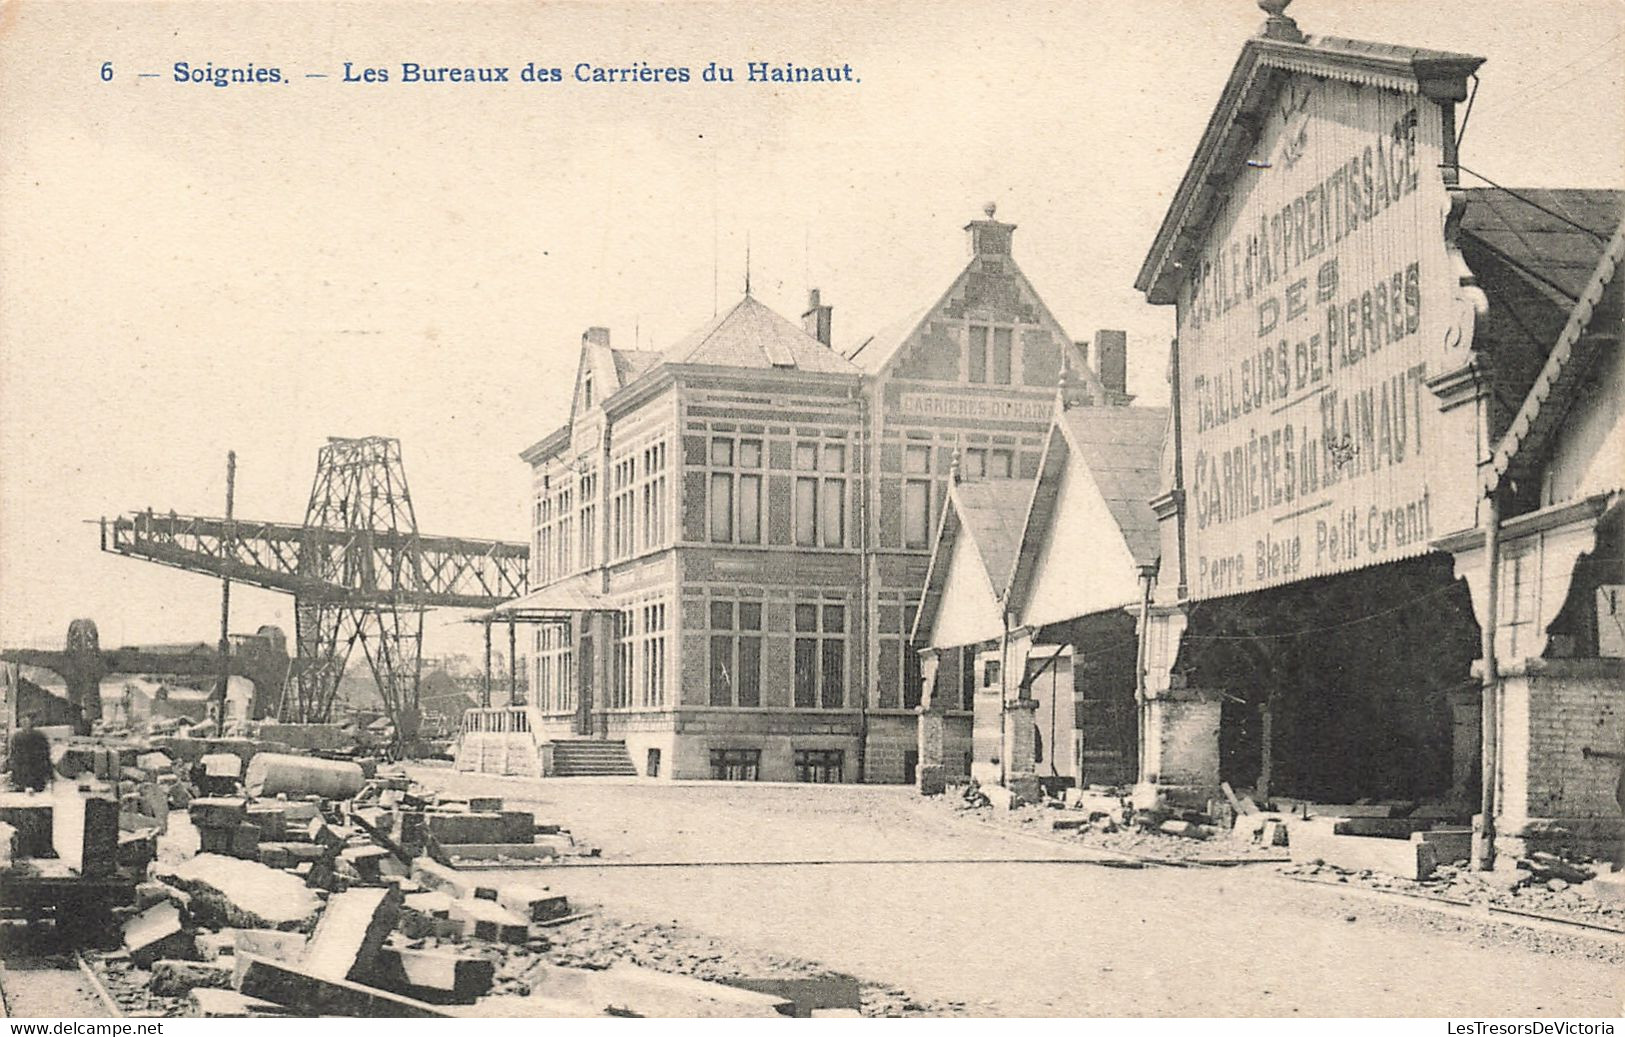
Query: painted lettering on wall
(1306, 331)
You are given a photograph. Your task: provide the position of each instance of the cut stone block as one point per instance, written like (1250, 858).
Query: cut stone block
(217, 811)
(222, 765)
(156, 933)
(352, 929)
(1384, 827)
(214, 946)
(209, 1003)
(268, 818)
(537, 905)
(631, 990)
(471, 828)
(172, 977)
(485, 804)
(494, 851)
(232, 893)
(438, 977)
(273, 944)
(487, 921)
(1315, 840)
(436, 876)
(155, 763)
(98, 855)
(1449, 844)
(312, 995)
(245, 842)
(287, 855)
(33, 820)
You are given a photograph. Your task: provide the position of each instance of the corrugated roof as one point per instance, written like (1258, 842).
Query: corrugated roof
(992, 512)
(751, 335)
(1122, 447)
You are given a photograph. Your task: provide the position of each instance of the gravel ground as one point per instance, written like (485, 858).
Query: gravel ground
(1010, 922)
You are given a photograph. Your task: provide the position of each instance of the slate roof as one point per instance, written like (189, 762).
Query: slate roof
(1533, 252)
(874, 352)
(992, 512)
(1122, 447)
(753, 336)
(630, 363)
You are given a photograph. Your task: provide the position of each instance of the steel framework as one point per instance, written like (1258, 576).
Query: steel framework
(358, 568)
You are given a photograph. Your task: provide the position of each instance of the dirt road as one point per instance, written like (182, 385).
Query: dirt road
(1012, 925)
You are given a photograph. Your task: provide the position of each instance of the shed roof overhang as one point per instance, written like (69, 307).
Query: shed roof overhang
(556, 603)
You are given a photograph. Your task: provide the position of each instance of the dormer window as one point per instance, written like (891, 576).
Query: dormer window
(586, 391)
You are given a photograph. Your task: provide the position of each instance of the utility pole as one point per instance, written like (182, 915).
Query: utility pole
(225, 598)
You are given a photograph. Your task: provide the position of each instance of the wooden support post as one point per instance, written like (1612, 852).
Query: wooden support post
(513, 662)
(485, 689)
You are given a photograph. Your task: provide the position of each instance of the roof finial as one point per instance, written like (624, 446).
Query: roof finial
(953, 468)
(747, 264)
(990, 208)
(1278, 26)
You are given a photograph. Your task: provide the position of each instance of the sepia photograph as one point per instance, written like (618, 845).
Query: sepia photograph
(729, 509)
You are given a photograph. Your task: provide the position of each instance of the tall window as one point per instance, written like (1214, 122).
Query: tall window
(565, 541)
(977, 366)
(654, 495)
(736, 653)
(651, 679)
(1002, 351)
(587, 490)
(913, 679)
(917, 496)
(622, 517)
(990, 355)
(820, 496)
(626, 654)
(820, 656)
(735, 484)
(554, 682)
(586, 391)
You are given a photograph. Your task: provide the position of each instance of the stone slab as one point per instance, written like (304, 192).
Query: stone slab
(285, 984)
(353, 928)
(173, 977)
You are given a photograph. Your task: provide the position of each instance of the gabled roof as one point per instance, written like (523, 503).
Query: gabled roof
(751, 335)
(1122, 447)
(1233, 127)
(877, 352)
(1533, 253)
(990, 513)
(1593, 325)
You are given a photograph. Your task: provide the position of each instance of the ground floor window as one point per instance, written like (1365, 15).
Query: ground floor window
(820, 766)
(735, 764)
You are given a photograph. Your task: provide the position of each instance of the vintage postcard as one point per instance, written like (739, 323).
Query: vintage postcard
(943, 509)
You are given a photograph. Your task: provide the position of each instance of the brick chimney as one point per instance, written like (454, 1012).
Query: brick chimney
(989, 237)
(595, 337)
(1110, 359)
(816, 320)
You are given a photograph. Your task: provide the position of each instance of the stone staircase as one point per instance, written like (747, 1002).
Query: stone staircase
(591, 758)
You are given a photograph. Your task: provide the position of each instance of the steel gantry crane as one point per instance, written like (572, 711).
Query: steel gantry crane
(359, 571)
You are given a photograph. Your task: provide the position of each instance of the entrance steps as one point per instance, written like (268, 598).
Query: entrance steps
(591, 758)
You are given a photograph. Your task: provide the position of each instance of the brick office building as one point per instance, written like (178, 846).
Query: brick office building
(743, 521)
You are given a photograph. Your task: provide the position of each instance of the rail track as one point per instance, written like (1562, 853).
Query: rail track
(52, 986)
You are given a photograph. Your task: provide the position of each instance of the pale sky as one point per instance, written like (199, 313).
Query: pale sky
(186, 269)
